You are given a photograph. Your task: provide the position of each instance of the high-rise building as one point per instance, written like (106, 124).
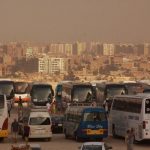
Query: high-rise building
(29, 52)
(146, 49)
(108, 49)
(59, 65)
(52, 65)
(68, 49)
(43, 65)
(81, 47)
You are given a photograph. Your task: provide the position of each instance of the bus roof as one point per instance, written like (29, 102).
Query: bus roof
(77, 83)
(80, 109)
(109, 84)
(41, 83)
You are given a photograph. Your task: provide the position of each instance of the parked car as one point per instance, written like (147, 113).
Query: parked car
(95, 146)
(40, 124)
(57, 123)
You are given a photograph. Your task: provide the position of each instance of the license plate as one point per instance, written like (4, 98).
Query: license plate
(40, 131)
(96, 132)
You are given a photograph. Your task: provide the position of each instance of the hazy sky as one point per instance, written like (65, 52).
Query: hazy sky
(72, 20)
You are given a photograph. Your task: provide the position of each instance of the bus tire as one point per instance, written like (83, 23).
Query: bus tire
(113, 131)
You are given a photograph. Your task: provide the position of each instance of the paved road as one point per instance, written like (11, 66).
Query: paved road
(58, 142)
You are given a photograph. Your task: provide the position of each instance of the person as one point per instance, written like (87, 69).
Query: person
(20, 102)
(94, 104)
(132, 136)
(48, 106)
(129, 139)
(9, 109)
(88, 97)
(14, 129)
(50, 98)
(26, 133)
(53, 107)
(106, 106)
(97, 117)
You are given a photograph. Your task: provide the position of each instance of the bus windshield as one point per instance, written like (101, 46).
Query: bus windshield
(39, 121)
(6, 88)
(21, 87)
(81, 94)
(94, 116)
(41, 93)
(112, 91)
(134, 88)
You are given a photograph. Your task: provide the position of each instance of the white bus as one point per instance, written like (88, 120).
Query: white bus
(130, 111)
(3, 117)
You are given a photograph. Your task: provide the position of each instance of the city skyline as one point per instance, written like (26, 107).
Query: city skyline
(69, 20)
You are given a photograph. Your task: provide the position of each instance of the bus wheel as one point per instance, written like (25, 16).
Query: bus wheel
(113, 131)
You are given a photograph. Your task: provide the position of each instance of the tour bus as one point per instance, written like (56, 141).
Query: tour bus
(41, 94)
(21, 89)
(58, 94)
(85, 122)
(7, 88)
(108, 91)
(40, 124)
(134, 87)
(3, 117)
(77, 92)
(130, 111)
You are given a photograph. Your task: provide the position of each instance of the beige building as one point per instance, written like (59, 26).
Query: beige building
(108, 49)
(146, 49)
(68, 49)
(81, 47)
(52, 65)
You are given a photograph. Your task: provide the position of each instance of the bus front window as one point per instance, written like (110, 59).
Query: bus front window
(94, 116)
(6, 88)
(115, 91)
(21, 88)
(41, 93)
(80, 94)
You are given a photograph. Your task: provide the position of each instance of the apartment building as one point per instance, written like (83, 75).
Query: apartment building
(52, 65)
(108, 49)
